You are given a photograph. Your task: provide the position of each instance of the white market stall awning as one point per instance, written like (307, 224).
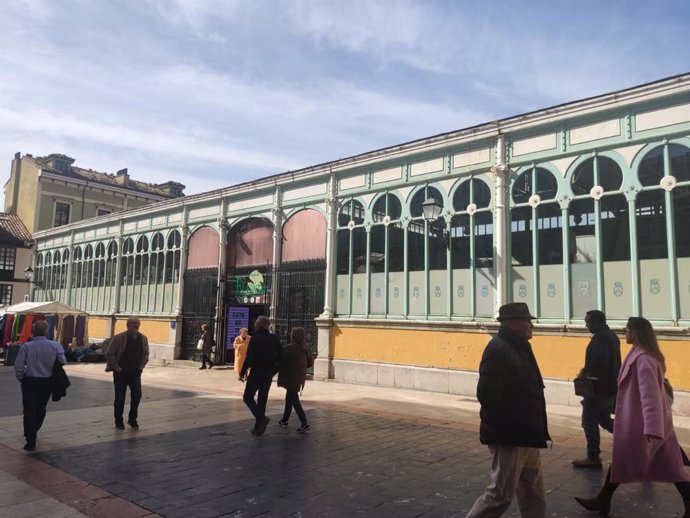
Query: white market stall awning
(47, 308)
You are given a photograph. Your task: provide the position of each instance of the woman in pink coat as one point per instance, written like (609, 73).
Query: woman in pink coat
(645, 447)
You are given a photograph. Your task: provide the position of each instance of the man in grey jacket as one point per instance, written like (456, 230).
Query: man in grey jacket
(33, 368)
(127, 355)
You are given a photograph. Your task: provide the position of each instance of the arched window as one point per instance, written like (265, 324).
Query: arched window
(600, 170)
(664, 173)
(110, 264)
(386, 253)
(351, 258)
(536, 232)
(172, 263)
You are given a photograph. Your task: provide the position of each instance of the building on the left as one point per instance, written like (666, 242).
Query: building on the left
(50, 191)
(15, 254)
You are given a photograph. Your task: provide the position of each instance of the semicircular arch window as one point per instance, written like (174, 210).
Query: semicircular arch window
(471, 191)
(100, 250)
(65, 255)
(610, 176)
(88, 252)
(142, 244)
(651, 169)
(352, 210)
(387, 205)
(419, 197)
(157, 242)
(174, 239)
(539, 181)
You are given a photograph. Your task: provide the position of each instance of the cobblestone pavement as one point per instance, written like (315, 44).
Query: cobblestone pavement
(371, 452)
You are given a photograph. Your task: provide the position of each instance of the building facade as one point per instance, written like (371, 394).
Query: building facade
(15, 253)
(575, 207)
(47, 192)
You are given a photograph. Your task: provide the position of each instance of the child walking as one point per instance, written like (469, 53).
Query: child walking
(294, 363)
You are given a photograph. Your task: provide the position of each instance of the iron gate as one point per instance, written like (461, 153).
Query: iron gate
(300, 298)
(199, 307)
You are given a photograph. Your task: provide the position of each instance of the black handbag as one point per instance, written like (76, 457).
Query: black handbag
(584, 386)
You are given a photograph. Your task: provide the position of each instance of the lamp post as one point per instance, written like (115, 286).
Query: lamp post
(431, 209)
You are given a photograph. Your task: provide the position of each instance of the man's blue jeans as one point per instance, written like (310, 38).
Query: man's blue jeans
(596, 412)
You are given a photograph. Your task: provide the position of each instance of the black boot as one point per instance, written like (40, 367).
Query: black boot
(601, 502)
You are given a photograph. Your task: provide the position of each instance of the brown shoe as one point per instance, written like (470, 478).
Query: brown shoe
(587, 463)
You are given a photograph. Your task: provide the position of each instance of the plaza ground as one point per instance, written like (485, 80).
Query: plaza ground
(371, 452)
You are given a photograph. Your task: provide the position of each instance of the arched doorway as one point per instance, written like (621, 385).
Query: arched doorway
(200, 288)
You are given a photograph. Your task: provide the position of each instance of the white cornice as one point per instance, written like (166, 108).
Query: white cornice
(644, 93)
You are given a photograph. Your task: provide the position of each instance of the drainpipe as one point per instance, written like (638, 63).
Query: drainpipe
(501, 171)
(184, 238)
(220, 294)
(277, 255)
(70, 269)
(331, 214)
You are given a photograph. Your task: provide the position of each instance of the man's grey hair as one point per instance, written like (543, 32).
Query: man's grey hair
(262, 323)
(39, 328)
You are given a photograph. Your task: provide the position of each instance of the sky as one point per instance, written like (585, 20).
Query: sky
(212, 93)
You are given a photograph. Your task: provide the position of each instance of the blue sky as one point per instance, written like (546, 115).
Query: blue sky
(217, 92)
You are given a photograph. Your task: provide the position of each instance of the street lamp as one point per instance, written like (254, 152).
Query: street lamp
(431, 209)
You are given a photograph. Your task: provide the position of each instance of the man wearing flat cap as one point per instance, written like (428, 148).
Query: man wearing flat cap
(513, 418)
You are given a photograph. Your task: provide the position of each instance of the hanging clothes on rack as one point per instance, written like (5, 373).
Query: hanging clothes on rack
(17, 326)
(52, 320)
(26, 333)
(7, 333)
(80, 330)
(67, 331)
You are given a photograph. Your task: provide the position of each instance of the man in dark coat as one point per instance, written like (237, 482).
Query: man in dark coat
(513, 418)
(602, 361)
(263, 359)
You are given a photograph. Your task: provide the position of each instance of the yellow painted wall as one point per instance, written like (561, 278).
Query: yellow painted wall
(559, 357)
(99, 327)
(157, 331)
(27, 194)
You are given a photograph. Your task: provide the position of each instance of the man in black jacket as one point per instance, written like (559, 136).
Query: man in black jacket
(513, 418)
(602, 362)
(263, 359)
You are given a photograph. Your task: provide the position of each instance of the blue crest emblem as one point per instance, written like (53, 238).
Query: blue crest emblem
(378, 293)
(461, 291)
(415, 292)
(341, 293)
(551, 290)
(396, 292)
(618, 289)
(359, 293)
(485, 291)
(437, 292)
(654, 286)
(522, 291)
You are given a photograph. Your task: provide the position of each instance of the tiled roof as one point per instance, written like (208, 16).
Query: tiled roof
(90, 175)
(13, 230)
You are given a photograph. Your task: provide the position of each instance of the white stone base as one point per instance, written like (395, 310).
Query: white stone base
(160, 353)
(463, 383)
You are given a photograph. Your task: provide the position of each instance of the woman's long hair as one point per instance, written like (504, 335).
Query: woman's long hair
(647, 338)
(298, 336)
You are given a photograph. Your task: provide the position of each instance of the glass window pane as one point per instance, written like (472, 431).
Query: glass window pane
(651, 225)
(550, 227)
(615, 228)
(521, 236)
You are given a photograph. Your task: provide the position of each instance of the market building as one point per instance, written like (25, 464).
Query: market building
(396, 260)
